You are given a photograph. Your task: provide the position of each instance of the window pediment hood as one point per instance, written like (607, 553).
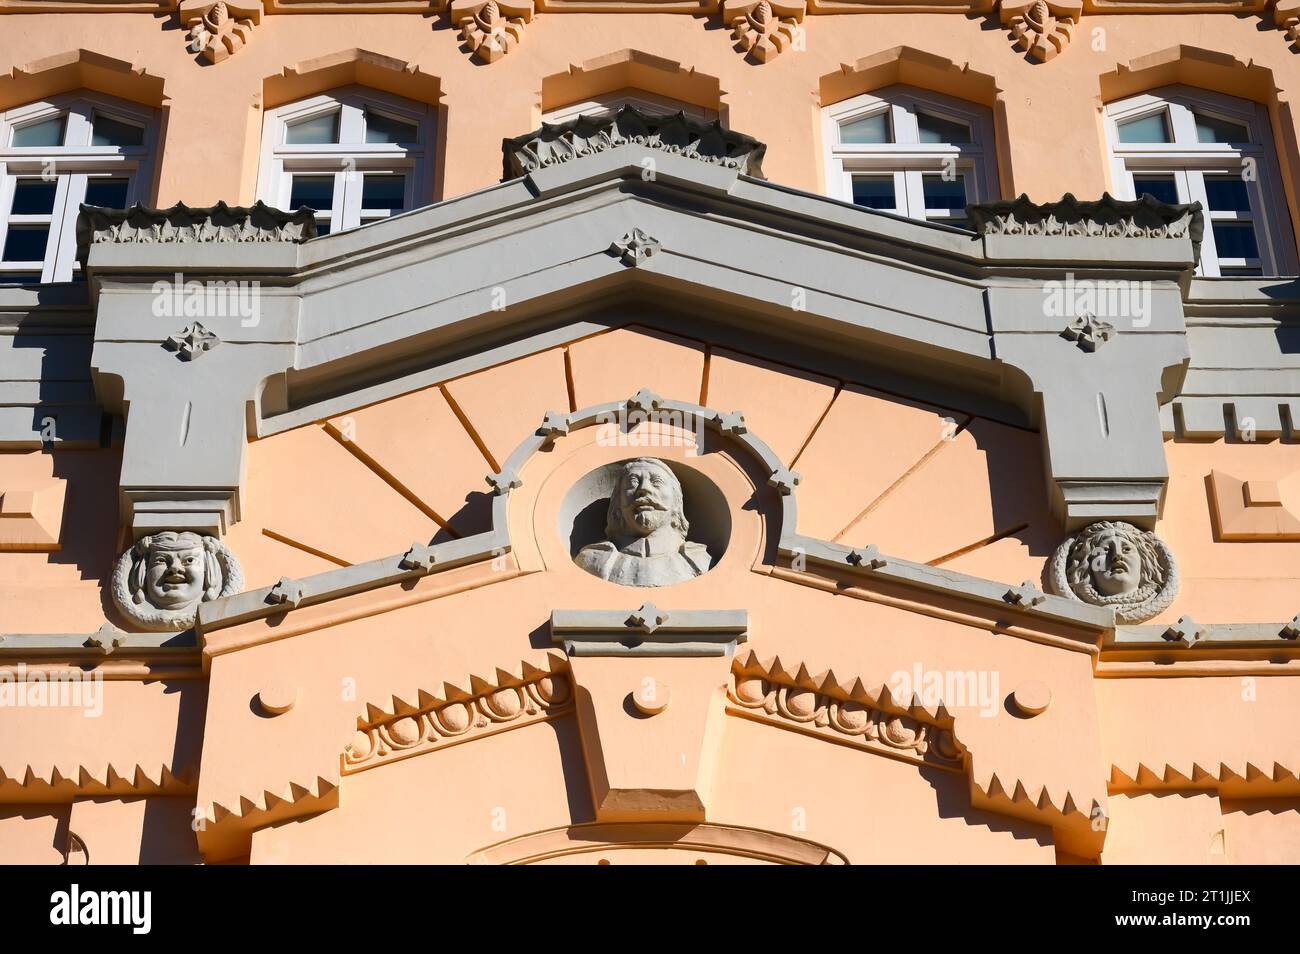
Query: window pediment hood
(674, 133)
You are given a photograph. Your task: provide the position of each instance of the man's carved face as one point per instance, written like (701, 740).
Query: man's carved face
(174, 578)
(1114, 564)
(647, 496)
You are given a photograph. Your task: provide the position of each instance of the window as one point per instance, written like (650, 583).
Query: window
(612, 102)
(911, 153)
(55, 155)
(354, 156)
(1185, 145)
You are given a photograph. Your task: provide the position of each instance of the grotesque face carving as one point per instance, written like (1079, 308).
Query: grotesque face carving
(648, 498)
(1111, 563)
(645, 530)
(160, 582)
(175, 578)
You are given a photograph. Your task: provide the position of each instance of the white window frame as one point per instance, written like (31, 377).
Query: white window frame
(907, 158)
(611, 102)
(351, 157)
(74, 163)
(1189, 161)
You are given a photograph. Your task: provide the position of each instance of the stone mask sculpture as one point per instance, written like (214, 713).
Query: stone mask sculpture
(160, 582)
(1112, 563)
(646, 531)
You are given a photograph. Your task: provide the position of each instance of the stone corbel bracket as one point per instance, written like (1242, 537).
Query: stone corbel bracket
(1040, 28)
(491, 28)
(765, 28)
(675, 133)
(219, 28)
(185, 385)
(1097, 354)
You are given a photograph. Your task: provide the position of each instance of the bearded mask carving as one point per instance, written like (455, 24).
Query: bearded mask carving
(646, 531)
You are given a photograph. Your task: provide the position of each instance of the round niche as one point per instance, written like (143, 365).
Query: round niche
(639, 540)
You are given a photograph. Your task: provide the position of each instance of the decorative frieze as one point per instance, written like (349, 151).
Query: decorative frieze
(182, 224)
(456, 715)
(1107, 217)
(493, 28)
(1112, 563)
(674, 133)
(842, 712)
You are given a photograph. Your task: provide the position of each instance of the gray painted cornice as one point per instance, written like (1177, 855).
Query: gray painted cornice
(351, 318)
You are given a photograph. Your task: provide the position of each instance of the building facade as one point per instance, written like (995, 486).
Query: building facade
(624, 431)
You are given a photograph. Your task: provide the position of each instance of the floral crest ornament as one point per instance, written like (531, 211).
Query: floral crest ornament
(1088, 332)
(491, 29)
(218, 29)
(1112, 563)
(1040, 28)
(1286, 16)
(765, 28)
(159, 583)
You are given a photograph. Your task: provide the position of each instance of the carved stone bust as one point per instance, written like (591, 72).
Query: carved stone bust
(160, 582)
(645, 531)
(1111, 563)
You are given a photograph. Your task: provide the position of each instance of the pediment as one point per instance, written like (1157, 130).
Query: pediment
(417, 610)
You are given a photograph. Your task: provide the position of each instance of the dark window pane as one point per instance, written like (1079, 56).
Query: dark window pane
(48, 132)
(383, 192)
(1213, 129)
(34, 196)
(1160, 187)
(941, 193)
(868, 129)
(1235, 240)
(936, 129)
(314, 131)
(380, 128)
(1152, 128)
(322, 228)
(26, 243)
(110, 193)
(1227, 194)
(957, 222)
(20, 278)
(874, 192)
(1245, 272)
(315, 192)
(112, 132)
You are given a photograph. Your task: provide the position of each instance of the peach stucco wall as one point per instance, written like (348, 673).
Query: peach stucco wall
(872, 463)
(211, 144)
(183, 765)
